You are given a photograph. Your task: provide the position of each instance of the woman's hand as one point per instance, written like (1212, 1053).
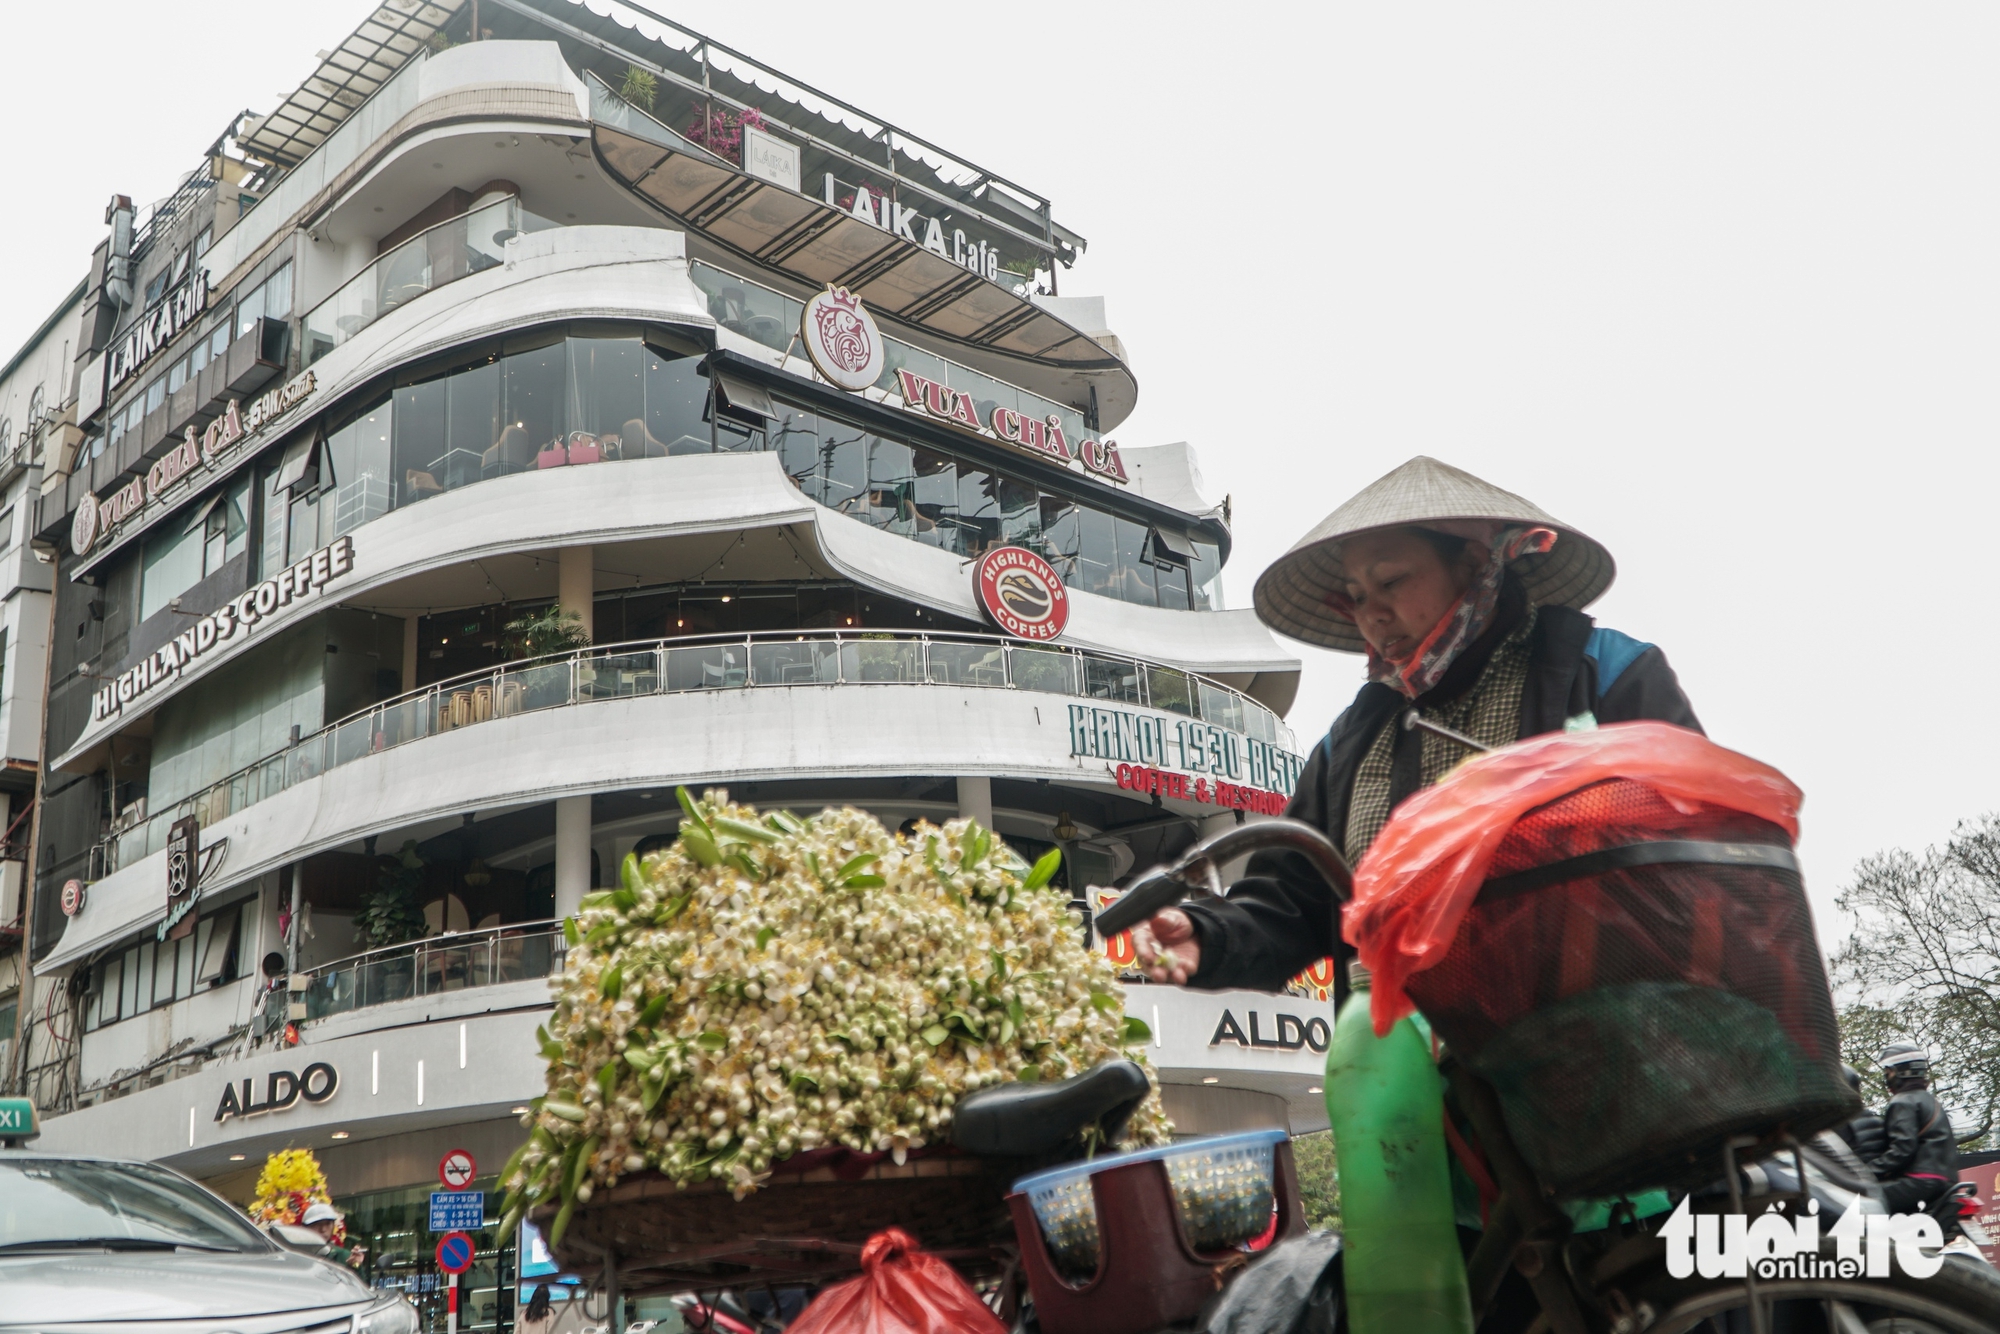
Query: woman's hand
(1168, 949)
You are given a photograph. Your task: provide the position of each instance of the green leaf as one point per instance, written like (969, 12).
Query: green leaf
(764, 936)
(675, 906)
(614, 979)
(595, 900)
(650, 1089)
(856, 864)
(802, 1082)
(568, 1111)
(542, 1035)
(654, 1009)
(509, 1222)
(641, 1058)
(607, 1078)
(624, 900)
(936, 1035)
(570, 932)
(1136, 1031)
(863, 882)
(931, 855)
(977, 844)
(1029, 1074)
(630, 876)
(712, 1040)
(601, 933)
(741, 861)
(693, 813)
(1006, 1031)
(1106, 1002)
(1017, 1013)
(700, 846)
(743, 829)
(967, 1022)
(552, 1050)
(514, 1161)
(1045, 869)
(562, 1222)
(812, 864)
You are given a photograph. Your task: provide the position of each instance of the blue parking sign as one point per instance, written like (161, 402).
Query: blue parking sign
(457, 1210)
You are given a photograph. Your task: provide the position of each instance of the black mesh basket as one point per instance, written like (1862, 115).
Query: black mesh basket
(1639, 984)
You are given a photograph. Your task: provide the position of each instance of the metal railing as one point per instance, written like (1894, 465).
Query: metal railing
(467, 244)
(516, 952)
(712, 662)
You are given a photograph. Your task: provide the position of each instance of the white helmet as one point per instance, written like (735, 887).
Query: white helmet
(317, 1212)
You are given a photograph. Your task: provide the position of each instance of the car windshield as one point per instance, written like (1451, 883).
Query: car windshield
(55, 1202)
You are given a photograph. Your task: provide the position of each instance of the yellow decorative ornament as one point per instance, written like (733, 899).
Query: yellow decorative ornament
(290, 1182)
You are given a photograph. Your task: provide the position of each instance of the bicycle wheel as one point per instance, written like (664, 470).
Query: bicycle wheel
(1963, 1297)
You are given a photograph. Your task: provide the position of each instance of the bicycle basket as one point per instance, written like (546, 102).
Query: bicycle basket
(1639, 981)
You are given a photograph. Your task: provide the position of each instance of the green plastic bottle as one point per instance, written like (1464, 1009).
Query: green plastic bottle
(1404, 1271)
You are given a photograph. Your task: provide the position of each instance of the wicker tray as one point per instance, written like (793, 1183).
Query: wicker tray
(805, 1225)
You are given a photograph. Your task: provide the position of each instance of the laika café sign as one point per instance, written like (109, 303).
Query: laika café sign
(95, 519)
(885, 214)
(1037, 435)
(239, 616)
(159, 326)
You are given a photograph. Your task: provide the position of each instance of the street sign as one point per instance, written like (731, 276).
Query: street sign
(452, 1210)
(454, 1253)
(456, 1170)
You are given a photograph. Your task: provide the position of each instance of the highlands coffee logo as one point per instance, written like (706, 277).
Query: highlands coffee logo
(1776, 1247)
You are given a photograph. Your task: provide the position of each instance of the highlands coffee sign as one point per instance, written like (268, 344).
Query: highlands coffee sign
(96, 519)
(241, 615)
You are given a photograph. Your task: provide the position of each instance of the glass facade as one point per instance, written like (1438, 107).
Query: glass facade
(558, 399)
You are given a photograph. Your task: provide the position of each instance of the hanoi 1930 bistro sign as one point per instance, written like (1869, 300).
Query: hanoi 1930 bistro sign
(241, 615)
(1191, 747)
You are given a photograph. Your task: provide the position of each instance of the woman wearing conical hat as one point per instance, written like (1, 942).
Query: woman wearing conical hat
(1467, 601)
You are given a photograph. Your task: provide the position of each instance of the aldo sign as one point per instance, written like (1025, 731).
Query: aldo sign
(282, 1090)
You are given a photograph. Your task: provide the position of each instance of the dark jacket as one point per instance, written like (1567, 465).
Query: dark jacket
(1920, 1139)
(1282, 918)
(1865, 1135)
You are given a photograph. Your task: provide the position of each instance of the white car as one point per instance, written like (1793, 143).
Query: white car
(97, 1245)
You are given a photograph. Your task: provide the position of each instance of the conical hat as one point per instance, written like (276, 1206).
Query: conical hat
(1292, 596)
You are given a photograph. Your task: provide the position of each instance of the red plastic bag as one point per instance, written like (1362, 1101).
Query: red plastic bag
(901, 1291)
(1425, 868)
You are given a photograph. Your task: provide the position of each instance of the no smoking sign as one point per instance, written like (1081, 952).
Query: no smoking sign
(456, 1170)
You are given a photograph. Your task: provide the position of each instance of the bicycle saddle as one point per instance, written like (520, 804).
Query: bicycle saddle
(1033, 1120)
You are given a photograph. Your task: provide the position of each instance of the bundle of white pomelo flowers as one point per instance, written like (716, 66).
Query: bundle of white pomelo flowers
(768, 985)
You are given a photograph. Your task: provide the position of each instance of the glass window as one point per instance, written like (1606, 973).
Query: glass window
(418, 419)
(273, 513)
(978, 518)
(1043, 669)
(163, 971)
(213, 543)
(795, 434)
(131, 986)
(1169, 690)
(1020, 509)
(472, 422)
(218, 342)
(1205, 577)
(112, 435)
(977, 664)
(278, 293)
(1060, 533)
(177, 375)
(879, 660)
(106, 1009)
(6, 530)
(1133, 575)
(1097, 551)
(170, 566)
(1173, 584)
(676, 407)
(249, 310)
(738, 433)
(1111, 678)
(357, 456)
(535, 384)
(201, 242)
(608, 390)
(844, 458)
(892, 484)
(934, 498)
(1222, 707)
(198, 358)
(156, 394)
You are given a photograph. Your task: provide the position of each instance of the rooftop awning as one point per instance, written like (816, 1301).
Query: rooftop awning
(348, 76)
(820, 244)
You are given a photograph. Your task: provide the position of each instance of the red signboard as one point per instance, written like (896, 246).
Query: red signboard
(1022, 593)
(1986, 1177)
(456, 1170)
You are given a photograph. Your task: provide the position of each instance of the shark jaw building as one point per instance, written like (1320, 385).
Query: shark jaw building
(513, 426)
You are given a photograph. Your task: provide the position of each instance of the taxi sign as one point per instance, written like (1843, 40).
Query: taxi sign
(17, 1121)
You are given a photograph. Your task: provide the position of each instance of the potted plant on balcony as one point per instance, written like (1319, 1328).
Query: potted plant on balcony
(538, 635)
(393, 915)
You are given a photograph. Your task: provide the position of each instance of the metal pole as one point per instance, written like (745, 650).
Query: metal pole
(16, 1079)
(292, 936)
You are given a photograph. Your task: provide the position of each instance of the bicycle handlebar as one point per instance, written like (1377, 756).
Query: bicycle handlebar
(1164, 886)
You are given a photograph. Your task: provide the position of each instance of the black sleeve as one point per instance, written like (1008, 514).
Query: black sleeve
(1281, 918)
(1647, 690)
(1899, 1121)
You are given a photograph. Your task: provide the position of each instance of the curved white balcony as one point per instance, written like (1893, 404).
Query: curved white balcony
(443, 551)
(700, 713)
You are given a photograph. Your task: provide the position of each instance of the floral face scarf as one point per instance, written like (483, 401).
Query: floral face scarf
(1468, 619)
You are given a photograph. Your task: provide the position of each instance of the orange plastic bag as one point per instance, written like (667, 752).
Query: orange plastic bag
(1424, 869)
(901, 1291)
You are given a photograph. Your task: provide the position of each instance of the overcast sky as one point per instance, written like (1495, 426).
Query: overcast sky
(1715, 283)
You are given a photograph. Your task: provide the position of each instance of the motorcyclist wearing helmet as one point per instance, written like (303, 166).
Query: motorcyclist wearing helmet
(1920, 1161)
(1865, 1133)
